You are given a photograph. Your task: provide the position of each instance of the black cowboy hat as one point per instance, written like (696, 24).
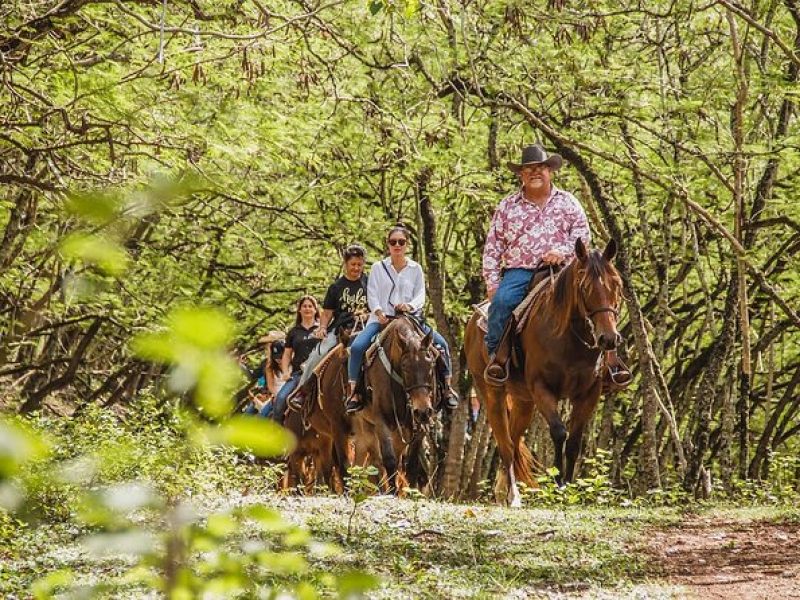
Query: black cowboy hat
(535, 155)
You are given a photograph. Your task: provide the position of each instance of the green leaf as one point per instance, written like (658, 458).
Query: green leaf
(18, 445)
(221, 525)
(253, 434)
(283, 563)
(412, 6)
(201, 327)
(108, 256)
(375, 6)
(46, 586)
(99, 208)
(355, 584)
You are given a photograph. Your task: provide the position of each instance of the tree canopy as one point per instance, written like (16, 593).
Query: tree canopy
(216, 152)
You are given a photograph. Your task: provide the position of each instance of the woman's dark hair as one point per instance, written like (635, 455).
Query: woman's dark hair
(353, 251)
(398, 228)
(298, 317)
(275, 355)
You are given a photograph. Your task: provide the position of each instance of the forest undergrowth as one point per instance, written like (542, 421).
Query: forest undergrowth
(587, 538)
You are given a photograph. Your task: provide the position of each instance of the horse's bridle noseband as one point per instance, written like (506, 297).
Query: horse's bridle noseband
(587, 318)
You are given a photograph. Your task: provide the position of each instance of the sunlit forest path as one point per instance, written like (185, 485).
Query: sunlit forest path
(729, 557)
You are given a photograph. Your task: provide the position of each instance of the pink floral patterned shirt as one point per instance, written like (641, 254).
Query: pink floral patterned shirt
(521, 233)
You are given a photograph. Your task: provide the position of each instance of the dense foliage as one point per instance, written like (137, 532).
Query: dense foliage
(221, 152)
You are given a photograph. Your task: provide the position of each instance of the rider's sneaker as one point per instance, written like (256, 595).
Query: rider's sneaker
(353, 404)
(296, 401)
(451, 398)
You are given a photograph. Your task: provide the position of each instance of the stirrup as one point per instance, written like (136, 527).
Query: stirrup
(296, 401)
(615, 378)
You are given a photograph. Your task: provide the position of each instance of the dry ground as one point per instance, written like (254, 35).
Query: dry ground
(714, 557)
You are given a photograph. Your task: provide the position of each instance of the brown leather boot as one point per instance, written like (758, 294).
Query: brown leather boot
(496, 372)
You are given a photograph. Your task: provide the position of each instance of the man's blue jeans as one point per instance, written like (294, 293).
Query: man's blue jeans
(508, 295)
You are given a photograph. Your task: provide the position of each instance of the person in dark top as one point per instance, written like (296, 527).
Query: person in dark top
(300, 341)
(346, 297)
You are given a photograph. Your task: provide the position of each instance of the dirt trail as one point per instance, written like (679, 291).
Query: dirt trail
(719, 559)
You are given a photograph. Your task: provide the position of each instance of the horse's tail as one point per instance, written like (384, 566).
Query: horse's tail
(524, 464)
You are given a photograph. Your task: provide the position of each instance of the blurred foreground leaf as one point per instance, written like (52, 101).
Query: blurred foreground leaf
(106, 255)
(253, 434)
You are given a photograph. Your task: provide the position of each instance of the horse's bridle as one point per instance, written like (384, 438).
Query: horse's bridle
(587, 318)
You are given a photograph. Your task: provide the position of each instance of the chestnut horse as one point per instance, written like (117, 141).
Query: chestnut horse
(572, 321)
(402, 385)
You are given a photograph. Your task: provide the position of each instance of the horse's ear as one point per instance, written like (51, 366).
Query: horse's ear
(611, 249)
(428, 339)
(580, 250)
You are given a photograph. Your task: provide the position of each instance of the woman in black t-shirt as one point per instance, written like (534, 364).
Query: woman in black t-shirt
(346, 297)
(300, 341)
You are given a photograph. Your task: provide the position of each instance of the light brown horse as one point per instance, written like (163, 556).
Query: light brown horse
(571, 323)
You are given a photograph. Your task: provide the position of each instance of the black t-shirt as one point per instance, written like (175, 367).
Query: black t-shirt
(302, 341)
(345, 298)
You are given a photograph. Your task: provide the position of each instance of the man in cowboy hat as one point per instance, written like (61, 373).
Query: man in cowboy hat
(534, 227)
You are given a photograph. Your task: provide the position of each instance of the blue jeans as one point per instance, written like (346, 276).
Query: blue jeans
(507, 297)
(359, 348)
(440, 343)
(281, 398)
(363, 340)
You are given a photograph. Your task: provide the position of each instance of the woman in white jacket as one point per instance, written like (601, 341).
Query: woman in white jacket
(396, 286)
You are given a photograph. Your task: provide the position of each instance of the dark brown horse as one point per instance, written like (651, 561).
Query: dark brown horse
(402, 383)
(311, 461)
(572, 322)
(324, 412)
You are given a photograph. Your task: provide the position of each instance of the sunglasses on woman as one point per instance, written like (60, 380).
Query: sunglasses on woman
(397, 242)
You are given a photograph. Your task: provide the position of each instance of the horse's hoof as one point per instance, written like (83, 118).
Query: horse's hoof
(516, 503)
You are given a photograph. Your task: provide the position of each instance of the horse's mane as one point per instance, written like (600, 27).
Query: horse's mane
(560, 300)
(401, 330)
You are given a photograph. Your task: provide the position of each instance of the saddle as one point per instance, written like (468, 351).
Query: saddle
(520, 314)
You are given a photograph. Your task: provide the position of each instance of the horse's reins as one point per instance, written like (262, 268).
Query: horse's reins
(394, 374)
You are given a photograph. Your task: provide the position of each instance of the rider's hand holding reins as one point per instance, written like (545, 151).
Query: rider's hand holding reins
(382, 318)
(553, 258)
